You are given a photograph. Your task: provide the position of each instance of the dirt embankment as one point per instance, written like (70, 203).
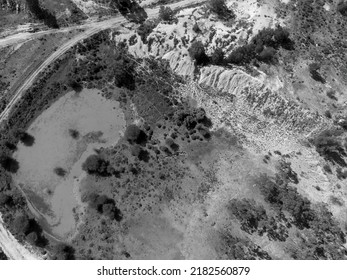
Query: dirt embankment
(11, 247)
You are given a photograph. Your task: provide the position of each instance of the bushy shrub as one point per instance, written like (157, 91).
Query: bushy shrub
(76, 86)
(263, 46)
(267, 55)
(63, 252)
(145, 29)
(9, 164)
(314, 71)
(96, 165)
(61, 172)
(220, 8)
(248, 213)
(42, 14)
(197, 52)
(105, 206)
(342, 8)
(196, 28)
(166, 13)
(217, 57)
(133, 134)
(24, 137)
(330, 148)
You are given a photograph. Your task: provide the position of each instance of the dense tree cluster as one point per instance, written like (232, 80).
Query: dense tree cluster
(220, 8)
(76, 86)
(145, 29)
(96, 165)
(134, 135)
(166, 13)
(342, 8)
(197, 53)
(131, 10)
(28, 228)
(42, 14)
(105, 206)
(63, 251)
(262, 47)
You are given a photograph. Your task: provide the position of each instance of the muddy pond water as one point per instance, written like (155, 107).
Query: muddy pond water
(98, 123)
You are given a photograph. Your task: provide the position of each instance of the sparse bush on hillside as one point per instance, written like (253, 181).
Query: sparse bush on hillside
(314, 71)
(220, 8)
(166, 13)
(197, 52)
(248, 213)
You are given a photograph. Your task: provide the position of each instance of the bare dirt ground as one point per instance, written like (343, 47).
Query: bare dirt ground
(98, 122)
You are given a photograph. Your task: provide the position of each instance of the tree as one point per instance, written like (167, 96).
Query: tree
(267, 55)
(342, 8)
(9, 164)
(63, 252)
(74, 133)
(217, 57)
(242, 55)
(42, 14)
(61, 172)
(24, 137)
(220, 8)
(96, 165)
(197, 52)
(76, 86)
(166, 13)
(133, 134)
(32, 238)
(5, 200)
(21, 224)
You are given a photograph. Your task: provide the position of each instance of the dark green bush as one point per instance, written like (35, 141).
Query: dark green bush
(166, 13)
(197, 52)
(220, 8)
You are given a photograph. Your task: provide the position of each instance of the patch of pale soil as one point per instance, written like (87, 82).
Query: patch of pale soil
(98, 121)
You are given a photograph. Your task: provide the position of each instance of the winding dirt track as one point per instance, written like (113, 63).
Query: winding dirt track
(11, 247)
